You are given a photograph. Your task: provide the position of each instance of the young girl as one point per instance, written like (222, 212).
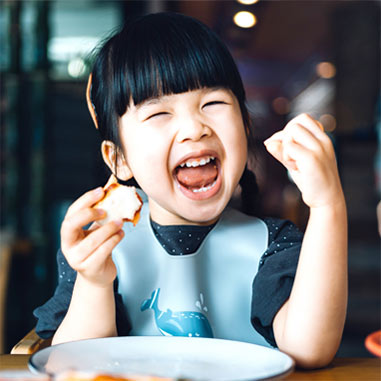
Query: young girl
(170, 105)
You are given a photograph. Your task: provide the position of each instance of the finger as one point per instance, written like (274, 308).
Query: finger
(72, 225)
(84, 216)
(277, 136)
(275, 148)
(301, 155)
(287, 159)
(305, 131)
(304, 120)
(274, 144)
(319, 145)
(97, 238)
(95, 225)
(86, 200)
(296, 132)
(100, 255)
(303, 136)
(314, 126)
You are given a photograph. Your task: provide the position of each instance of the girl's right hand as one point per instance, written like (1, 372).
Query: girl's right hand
(89, 251)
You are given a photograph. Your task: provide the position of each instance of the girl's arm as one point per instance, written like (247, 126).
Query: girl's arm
(91, 312)
(309, 325)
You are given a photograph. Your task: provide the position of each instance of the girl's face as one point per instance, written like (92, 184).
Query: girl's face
(187, 151)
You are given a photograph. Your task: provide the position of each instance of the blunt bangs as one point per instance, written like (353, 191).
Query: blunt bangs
(173, 54)
(155, 55)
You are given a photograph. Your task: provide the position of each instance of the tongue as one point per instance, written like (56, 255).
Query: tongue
(197, 177)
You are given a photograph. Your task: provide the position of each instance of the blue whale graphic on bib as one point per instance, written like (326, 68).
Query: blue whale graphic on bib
(177, 323)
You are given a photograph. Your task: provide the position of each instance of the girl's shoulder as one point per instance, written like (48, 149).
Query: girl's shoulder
(283, 236)
(278, 225)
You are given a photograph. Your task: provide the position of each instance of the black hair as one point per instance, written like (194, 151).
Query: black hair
(154, 55)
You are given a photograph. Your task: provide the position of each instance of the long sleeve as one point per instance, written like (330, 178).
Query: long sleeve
(274, 280)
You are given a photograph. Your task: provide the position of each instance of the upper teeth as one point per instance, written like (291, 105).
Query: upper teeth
(197, 163)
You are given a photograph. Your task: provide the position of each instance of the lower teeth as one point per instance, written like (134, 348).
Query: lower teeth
(204, 189)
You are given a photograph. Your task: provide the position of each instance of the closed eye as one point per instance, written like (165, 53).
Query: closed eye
(157, 114)
(214, 103)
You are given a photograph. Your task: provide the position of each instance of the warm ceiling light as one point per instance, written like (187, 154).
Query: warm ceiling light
(248, 2)
(326, 70)
(244, 19)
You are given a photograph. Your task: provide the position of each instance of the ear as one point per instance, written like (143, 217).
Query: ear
(115, 160)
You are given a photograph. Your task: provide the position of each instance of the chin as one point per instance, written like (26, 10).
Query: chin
(204, 216)
(187, 212)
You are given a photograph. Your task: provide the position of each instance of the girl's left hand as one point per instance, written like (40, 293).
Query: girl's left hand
(307, 152)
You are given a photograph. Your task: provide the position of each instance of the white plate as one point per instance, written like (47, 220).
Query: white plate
(172, 357)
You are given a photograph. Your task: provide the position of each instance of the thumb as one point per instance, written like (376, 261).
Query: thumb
(274, 147)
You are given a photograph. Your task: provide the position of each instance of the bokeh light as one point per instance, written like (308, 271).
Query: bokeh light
(281, 105)
(76, 67)
(328, 121)
(247, 2)
(245, 19)
(326, 70)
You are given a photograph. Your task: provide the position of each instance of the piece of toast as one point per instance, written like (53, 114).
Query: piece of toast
(120, 202)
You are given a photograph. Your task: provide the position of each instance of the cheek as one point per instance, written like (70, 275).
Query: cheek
(143, 150)
(237, 151)
(237, 140)
(146, 156)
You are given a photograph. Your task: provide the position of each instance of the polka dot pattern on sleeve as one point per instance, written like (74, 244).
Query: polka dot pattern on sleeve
(283, 235)
(273, 282)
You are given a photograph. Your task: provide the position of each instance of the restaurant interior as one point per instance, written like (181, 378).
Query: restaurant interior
(319, 57)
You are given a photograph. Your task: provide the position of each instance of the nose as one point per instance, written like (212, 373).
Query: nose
(193, 129)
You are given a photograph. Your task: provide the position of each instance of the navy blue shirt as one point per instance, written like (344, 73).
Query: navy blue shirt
(271, 286)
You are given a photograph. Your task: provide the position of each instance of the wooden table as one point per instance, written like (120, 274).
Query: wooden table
(348, 369)
(345, 369)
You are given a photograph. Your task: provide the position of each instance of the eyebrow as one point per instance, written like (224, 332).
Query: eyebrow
(162, 98)
(151, 101)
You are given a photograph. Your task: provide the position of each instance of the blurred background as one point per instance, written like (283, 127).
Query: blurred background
(320, 57)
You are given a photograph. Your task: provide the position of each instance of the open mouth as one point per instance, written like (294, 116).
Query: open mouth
(198, 177)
